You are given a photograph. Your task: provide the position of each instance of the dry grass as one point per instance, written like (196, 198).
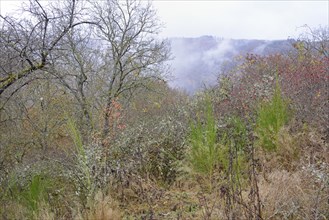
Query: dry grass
(13, 210)
(102, 208)
(294, 183)
(294, 195)
(314, 147)
(45, 213)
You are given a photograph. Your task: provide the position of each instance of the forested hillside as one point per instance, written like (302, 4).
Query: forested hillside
(92, 128)
(198, 61)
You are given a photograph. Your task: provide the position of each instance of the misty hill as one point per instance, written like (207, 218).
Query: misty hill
(197, 61)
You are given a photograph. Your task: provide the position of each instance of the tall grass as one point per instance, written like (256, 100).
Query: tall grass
(272, 116)
(36, 192)
(84, 181)
(31, 199)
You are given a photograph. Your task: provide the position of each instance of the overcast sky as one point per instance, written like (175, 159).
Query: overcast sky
(241, 19)
(268, 19)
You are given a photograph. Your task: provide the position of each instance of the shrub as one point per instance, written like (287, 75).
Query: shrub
(204, 152)
(150, 149)
(251, 80)
(305, 83)
(272, 116)
(235, 139)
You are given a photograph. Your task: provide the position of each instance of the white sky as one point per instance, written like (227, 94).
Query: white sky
(260, 19)
(241, 19)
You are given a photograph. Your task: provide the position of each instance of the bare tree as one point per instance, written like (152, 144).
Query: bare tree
(314, 41)
(133, 54)
(30, 41)
(76, 65)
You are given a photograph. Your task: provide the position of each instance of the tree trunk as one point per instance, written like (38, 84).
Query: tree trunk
(106, 128)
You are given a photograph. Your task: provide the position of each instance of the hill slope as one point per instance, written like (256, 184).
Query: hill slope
(197, 61)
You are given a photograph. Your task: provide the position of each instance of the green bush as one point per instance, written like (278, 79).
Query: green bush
(205, 152)
(272, 116)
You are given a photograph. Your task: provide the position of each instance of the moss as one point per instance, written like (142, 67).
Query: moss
(12, 77)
